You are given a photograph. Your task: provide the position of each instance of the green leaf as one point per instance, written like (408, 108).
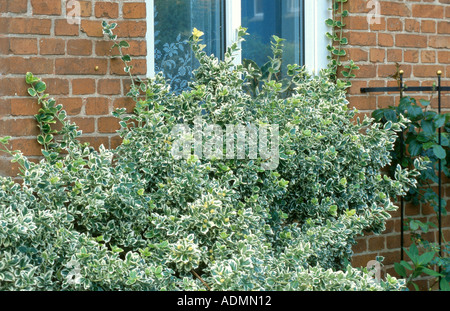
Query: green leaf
(425, 258)
(414, 112)
(126, 58)
(413, 253)
(445, 285)
(414, 148)
(439, 120)
(428, 127)
(439, 152)
(48, 138)
(390, 115)
(400, 269)
(431, 272)
(330, 22)
(124, 44)
(40, 87)
(378, 114)
(424, 102)
(32, 92)
(40, 139)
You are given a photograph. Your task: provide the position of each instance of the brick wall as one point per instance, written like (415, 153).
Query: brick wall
(416, 35)
(75, 62)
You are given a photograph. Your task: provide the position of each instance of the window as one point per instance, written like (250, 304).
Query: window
(170, 23)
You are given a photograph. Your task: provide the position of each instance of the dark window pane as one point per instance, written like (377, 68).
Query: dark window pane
(174, 22)
(265, 18)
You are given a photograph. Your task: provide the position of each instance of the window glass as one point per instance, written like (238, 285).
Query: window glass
(174, 21)
(264, 18)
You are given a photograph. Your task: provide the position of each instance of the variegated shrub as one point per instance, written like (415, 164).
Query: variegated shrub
(136, 218)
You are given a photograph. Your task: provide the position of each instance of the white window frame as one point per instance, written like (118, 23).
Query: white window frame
(316, 12)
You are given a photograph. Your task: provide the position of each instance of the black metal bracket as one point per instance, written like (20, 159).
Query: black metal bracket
(403, 88)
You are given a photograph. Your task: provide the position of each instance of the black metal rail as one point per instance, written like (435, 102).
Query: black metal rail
(403, 88)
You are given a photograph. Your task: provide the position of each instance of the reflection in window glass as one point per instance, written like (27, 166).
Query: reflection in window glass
(264, 18)
(174, 21)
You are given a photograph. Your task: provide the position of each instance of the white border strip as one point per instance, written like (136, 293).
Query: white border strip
(150, 37)
(316, 12)
(233, 22)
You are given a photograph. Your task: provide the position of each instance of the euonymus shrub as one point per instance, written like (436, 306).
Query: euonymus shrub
(138, 218)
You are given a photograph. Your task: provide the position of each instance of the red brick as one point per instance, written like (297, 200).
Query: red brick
(57, 86)
(24, 106)
(131, 29)
(363, 102)
(52, 46)
(356, 22)
(29, 147)
(439, 42)
(83, 86)
(63, 28)
(86, 125)
(95, 141)
(366, 71)
(394, 8)
(427, 10)
(72, 105)
(411, 56)
(443, 27)
(5, 107)
(25, 26)
(4, 46)
(377, 26)
(428, 56)
(376, 243)
(139, 67)
(115, 141)
(385, 39)
(36, 65)
(362, 260)
(92, 28)
(428, 26)
(426, 70)
(362, 38)
(81, 66)
(137, 48)
(97, 106)
(394, 55)
(106, 10)
(444, 57)
(356, 86)
(412, 25)
(386, 70)
(85, 8)
(23, 46)
(408, 40)
(360, 246)
(14, 6)
(134, 10)
(377, 55)
(108, 125)
(109, 86)
(13, 87)
(79, 47)
(124, 102)
(394, 24)
(19, 127)
(357, 6)
(46, 7)
(356, 54)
